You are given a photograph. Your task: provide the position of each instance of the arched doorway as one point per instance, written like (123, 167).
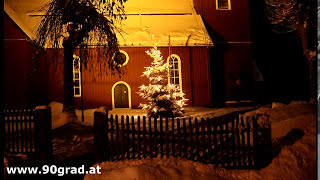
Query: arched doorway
(121, 95)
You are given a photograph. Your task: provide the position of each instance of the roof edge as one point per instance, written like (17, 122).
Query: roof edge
(11, 13)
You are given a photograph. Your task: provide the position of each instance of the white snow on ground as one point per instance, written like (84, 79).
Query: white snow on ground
(296, 162)
(57, 117)
(285, 117)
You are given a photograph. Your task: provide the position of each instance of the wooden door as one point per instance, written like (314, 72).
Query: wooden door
(121, 96)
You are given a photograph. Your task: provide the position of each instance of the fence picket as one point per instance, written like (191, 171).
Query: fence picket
(117, 137)
(107, 140)
(122, 139)
(133, 138)
(22, 138)
(248, 142)
(203, 139)
(227, 157)
(155, 136)
(197, 155)
(167, 137)
(222, 148)
(243, 143)
(191, 140)
(144, 138)
(209, 146)
(173, 137)
(16, 131)
(128, 137)
(139, 143)
(26, 130)
(12, 131)
(161, 137)
(150, 138)
(233, 142)
(15, 126)
(185, 141)
(7, 142)
(214, 123)
(238, 142)
(112, 143)
(255, 139)
(14, 135)
(31, 120)
(179, 138)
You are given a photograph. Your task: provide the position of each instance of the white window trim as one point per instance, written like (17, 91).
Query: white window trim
(74, 79)
(127, 58)
(229, 5)
(129, 93)
(179, 66)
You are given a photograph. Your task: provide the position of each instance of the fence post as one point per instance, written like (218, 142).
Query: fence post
(263, 142)
(43, 133)
(100, 138)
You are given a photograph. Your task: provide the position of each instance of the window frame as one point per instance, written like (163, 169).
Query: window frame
(229, 5)
(179, 70)
(74, 71)
(127, 58)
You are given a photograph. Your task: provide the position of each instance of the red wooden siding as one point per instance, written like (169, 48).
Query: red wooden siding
(232, 25)
(201, 76)
(238, 60)
(231, 29)
(24, 83)
(55, 76)
(97, 89)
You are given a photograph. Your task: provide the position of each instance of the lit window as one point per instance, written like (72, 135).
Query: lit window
(121, 58)
(223, 4)
(76, 76)
(175, 71)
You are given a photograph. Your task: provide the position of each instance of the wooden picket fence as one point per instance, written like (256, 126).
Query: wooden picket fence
(28, 130)
(19, 130)
(227, 141)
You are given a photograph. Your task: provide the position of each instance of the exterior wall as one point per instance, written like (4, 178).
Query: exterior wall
(232, 25)
(97, 88)
(25, 78)
(231, 32)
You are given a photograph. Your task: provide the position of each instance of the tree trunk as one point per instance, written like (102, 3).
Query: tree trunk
(68, 105)
(307, 49)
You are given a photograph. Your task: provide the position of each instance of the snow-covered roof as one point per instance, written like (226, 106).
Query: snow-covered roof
(148, 22)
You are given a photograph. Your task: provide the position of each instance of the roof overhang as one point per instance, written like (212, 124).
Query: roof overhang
(162, 30)
(148, 22)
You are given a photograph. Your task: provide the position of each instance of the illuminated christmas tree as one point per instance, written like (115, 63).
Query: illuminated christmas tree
(165, 99)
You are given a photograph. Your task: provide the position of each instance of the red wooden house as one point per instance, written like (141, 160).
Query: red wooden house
(188, 33)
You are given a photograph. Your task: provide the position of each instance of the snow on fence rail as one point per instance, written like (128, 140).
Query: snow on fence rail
(228, 141)
(28, 130)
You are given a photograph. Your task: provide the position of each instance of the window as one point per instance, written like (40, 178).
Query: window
(175, 71)
(223, 4)
(76, 76)
(121, 58)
